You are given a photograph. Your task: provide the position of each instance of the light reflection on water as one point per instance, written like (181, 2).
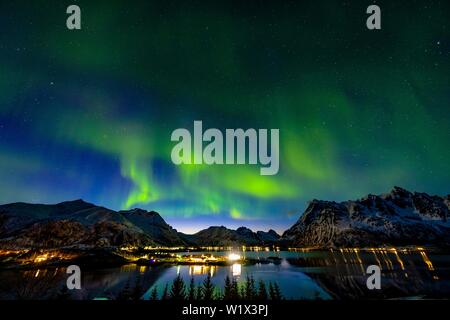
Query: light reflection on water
(293, 283)
(236, 269)
(201, 269)
(301, 274)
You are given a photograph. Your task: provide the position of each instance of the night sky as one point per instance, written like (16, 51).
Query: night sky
(88, 114)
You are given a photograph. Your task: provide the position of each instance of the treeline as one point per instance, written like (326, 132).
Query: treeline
(232, 290)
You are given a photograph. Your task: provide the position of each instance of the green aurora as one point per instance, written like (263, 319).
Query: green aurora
(88, 114)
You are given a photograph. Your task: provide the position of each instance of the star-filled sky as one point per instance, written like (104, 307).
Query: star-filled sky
(88, 114)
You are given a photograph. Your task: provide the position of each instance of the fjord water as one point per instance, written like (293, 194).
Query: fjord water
(338, 274)
(294, 283)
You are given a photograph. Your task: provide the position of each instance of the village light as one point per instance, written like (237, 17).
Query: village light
(234, 257)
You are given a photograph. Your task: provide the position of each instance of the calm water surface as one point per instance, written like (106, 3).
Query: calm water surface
(300, 275)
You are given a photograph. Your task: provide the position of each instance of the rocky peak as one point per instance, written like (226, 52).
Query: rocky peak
(398, 192)
(430, 207)
(140, 212)
(269, 236)
(244, 231)
(399, 217)
(75, 205)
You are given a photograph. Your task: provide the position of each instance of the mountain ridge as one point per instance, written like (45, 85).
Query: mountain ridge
(83, 224)
(399, 217)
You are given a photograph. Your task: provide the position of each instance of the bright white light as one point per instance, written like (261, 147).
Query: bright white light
(234, 257)
(236, 269)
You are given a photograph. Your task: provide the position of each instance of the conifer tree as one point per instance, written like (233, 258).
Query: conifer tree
(228, 289)
(253, 291)
(250, 289)
(154, 294)
(192, 292)
(271, 291)
(262, 292)
(275, 292)
(235, 295)
(208, 288)
(165, 294)
(178, 290)
(199, 293)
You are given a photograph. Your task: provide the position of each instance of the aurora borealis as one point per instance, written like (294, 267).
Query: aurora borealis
(88, 114)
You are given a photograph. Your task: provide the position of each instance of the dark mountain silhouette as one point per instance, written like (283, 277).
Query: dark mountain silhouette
(397, 218)
(152, 224)
(221, 236)
(81, 224)
(78, 223)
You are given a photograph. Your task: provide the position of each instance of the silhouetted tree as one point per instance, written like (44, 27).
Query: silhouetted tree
(191, 293)
(228, 289)
(207, 291)
(154, 294)
(165, 294)
(275, 292)
(208, 288)
(250, 289)
(199, 293)
(242, 292)
(235, 290)
(262, 292)
(178, 290)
